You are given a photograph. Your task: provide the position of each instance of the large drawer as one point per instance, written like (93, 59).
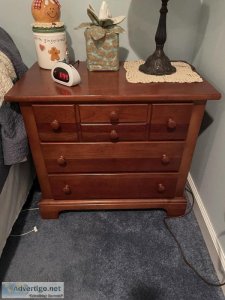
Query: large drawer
(109, 157)
(170, 121)
(113, 186)
(120, 113)
(56, 122)
(114, 133)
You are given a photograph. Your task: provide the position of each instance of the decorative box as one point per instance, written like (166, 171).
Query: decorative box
(102, 52)
(102, 39)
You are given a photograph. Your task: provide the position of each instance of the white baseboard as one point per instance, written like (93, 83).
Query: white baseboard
(211, 239)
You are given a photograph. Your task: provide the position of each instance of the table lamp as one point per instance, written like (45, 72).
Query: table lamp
(158, 63)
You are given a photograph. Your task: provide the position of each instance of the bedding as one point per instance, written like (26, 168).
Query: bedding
(16, 168)
(7, 75)
(4, 171)
(14, 145)
(13, 196)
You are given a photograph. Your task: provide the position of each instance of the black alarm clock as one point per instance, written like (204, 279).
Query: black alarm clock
(65, 74)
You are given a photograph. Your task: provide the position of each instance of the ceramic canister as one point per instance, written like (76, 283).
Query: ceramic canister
(51, 46)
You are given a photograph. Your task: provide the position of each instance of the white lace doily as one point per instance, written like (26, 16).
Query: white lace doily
(184, 74)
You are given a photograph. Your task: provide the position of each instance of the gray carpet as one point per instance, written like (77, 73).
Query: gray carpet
(110, 255)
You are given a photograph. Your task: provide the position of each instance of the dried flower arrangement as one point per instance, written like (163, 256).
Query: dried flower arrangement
(102, 39)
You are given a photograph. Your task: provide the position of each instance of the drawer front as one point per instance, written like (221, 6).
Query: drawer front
(114, 133)
(56, 122)
(121, 157)
(113, 113)
(170, 121)
(113, 186)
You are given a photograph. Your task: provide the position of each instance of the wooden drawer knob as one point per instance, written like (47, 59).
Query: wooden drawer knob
(161, 188)
(171, 124)
(67, 189)
(61, 161)
(114, 135)
(165, 159)
(114, 117)
(55, 125)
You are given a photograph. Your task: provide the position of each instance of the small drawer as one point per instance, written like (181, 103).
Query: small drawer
(114, 114)
(110, 157)
(170, 121)
(113, 186)
(114, 133)
(56, 122)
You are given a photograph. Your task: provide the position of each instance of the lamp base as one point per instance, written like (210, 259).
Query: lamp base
(157, 64)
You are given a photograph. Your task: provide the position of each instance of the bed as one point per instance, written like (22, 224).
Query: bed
(16, 168)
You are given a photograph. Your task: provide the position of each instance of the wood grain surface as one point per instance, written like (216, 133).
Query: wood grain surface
(110, 144)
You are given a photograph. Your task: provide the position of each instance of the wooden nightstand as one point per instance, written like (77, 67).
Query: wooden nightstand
(110, 144)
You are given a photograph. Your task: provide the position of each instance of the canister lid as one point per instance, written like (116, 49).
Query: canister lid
(48, 27)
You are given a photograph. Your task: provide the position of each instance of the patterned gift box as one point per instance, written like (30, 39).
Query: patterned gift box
(102, 51)
(102, 39)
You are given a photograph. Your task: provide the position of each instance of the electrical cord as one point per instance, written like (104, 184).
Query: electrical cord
(22, 234)
(179, 246)
(30, 209)
(34, 228)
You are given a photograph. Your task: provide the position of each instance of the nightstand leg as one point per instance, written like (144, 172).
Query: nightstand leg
(177, 208)
(48, 212)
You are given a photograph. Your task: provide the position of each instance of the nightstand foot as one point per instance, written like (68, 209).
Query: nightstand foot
(48, 211)
(177, 208)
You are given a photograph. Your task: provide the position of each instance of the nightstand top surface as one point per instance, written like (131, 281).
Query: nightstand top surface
(37, 86)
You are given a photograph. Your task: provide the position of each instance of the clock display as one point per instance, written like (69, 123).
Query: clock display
(61, 74)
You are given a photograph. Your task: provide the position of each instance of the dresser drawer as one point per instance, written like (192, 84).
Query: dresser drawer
(113, 186)
(113, 113)
(56, 122)
(114, 133)
(170, 121)
(121, 157)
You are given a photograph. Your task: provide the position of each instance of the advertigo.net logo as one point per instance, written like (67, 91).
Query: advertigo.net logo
(27, 290)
